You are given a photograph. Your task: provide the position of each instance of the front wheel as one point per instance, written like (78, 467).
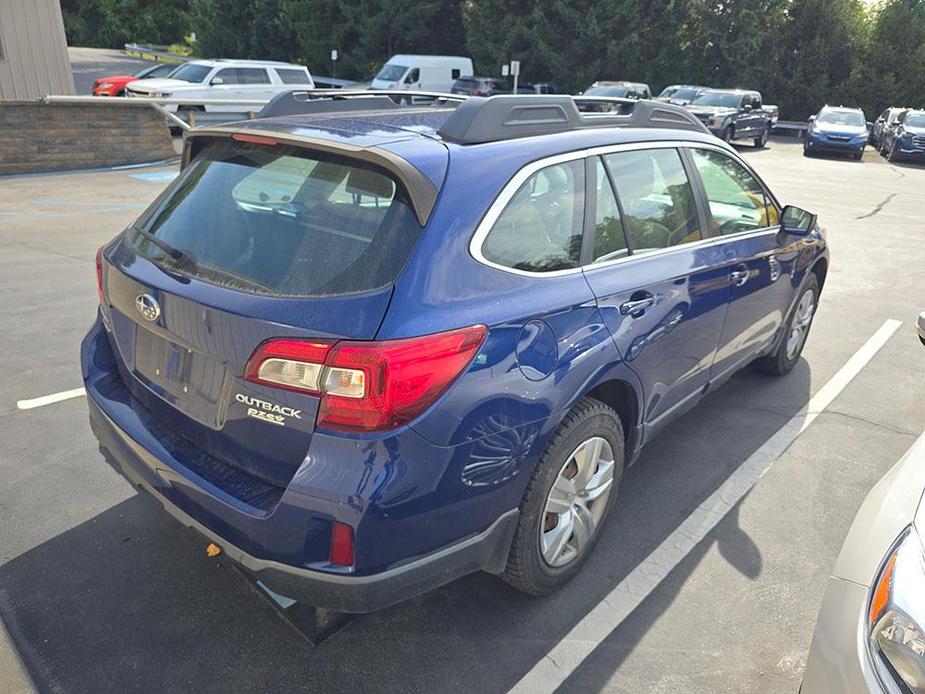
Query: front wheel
(567, 500)
(762, 140)
(788, 352)
(728, 134)
(891, 152)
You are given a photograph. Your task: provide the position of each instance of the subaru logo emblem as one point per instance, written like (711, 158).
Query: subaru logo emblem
(147, 306)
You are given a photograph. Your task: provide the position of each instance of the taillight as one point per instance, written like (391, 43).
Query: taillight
(99, 273)
(368, 386)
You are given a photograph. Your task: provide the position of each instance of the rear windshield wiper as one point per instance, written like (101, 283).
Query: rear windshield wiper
(188, 262)
(174, 253)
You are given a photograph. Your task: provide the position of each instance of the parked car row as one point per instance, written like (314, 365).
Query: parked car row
(898, 133)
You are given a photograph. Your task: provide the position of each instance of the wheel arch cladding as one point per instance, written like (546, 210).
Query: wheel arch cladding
(820, 269)
(621, 396)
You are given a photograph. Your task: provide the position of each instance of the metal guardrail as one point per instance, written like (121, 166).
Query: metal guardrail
(799, 126)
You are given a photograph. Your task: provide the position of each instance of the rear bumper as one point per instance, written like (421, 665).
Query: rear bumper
(416, 526)
(344, 593)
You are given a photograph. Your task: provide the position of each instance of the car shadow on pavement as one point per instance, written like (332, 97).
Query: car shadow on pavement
(129, 600)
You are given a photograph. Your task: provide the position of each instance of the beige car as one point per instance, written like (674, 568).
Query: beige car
(870, 635)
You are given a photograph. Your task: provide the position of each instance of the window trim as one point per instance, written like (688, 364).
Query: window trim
(518, 179)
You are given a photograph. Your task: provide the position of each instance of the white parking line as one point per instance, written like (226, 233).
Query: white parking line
(550, 672)
(49, 399)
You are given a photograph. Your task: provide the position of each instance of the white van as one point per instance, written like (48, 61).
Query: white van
(429, 73)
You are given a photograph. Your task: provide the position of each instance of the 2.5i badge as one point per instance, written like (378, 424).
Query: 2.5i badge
(268, 411)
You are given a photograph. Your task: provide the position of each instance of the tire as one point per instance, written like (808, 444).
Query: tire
(762, 140)
(784, 358)
(728, 134)
(857, 156)
(806, 151)
(528, 569)
(891, 153)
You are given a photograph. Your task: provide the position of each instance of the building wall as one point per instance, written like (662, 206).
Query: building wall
(33, 50)
(36, 137)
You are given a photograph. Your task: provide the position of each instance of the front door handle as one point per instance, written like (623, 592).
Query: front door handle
(739, 276)
(636, 307)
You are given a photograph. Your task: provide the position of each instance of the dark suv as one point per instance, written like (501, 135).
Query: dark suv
(905, 139)
(367, 349)
(480, 86)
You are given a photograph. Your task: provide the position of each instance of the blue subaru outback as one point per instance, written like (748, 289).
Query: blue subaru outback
(367, 349)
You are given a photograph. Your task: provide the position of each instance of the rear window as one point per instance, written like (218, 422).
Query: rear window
(280, 220)
(293, 76)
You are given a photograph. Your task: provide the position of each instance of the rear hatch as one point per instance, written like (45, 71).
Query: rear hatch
(252, 241)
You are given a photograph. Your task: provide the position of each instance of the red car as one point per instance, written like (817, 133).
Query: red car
(115, 86)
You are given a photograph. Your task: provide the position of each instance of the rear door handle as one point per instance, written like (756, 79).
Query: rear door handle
(636, 307)
(739, 276)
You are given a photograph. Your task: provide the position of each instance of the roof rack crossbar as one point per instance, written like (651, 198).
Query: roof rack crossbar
(505, 117)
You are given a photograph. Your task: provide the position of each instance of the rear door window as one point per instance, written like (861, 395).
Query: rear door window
(281, 220)
(540, 229)
(657, 199)
(293, 76)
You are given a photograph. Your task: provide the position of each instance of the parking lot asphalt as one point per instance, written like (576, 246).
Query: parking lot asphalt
(89, 64)
(102, 591)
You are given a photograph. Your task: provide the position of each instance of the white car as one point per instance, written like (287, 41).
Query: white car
(223, 79)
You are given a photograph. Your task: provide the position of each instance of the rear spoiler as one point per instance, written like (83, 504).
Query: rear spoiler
(420, 189)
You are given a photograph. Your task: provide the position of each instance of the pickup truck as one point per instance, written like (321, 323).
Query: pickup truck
(735, 114)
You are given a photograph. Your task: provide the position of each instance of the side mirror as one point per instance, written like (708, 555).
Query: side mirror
(797, 221)
(216, 80)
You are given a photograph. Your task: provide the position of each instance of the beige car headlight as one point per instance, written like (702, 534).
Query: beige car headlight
(897, 616)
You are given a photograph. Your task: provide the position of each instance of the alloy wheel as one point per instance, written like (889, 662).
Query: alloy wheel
(799, 326)
(576, 502)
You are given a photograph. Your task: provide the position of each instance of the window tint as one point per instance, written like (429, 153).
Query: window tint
(282, 220)
(609, 240)
(244, 75)
(657, 200)
(737, 200)
(540, 229)
(293, 76)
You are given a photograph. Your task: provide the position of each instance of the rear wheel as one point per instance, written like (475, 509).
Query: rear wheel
(568, 499)
(788, 352)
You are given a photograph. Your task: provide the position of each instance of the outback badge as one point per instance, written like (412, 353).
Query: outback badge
(268, 411)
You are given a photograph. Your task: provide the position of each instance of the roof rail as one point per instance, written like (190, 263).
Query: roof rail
(309, 101)
(506, 117)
